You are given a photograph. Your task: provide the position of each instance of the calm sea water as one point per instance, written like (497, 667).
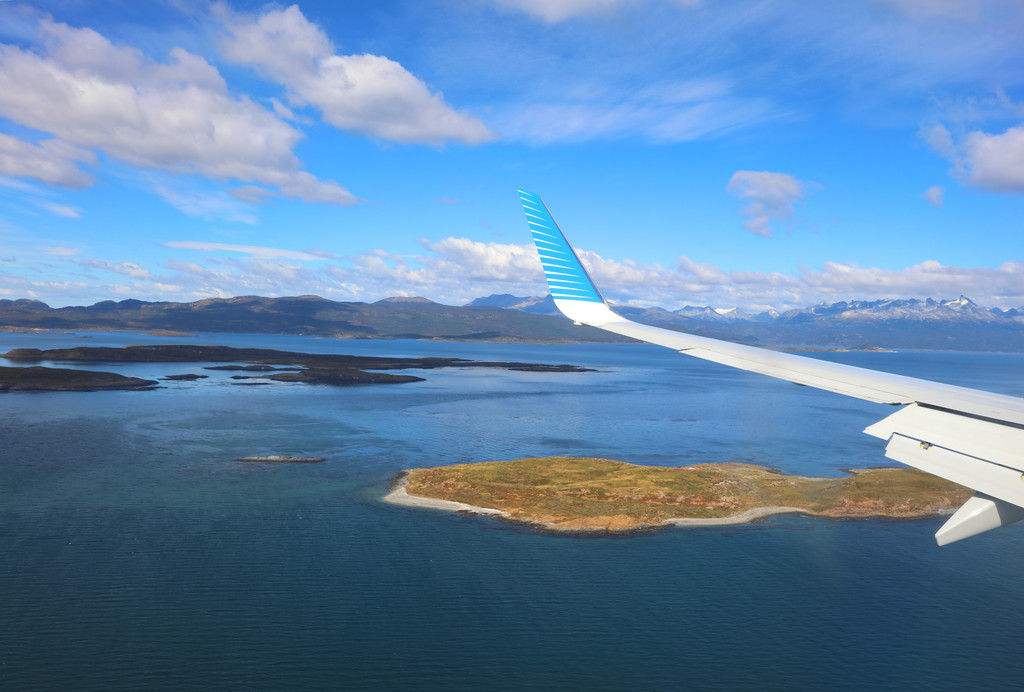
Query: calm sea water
(135, 554)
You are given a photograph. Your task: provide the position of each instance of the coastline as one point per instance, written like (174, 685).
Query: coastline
(399, 496)
(746, 517)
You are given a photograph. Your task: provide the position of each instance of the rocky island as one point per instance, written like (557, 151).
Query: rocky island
(40, 379)
(586, 495)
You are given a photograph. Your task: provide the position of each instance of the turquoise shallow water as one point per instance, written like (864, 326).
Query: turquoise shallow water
(134, 554)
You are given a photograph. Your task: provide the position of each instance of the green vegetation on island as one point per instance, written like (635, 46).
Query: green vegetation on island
(571, 494)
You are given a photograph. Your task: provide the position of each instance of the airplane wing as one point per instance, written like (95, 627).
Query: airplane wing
(970, 437)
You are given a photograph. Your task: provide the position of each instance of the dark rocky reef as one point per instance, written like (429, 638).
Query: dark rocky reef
(40, 379)
(311, 368)
(174, 353)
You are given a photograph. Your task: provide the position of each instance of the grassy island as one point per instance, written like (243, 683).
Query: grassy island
(572, 494)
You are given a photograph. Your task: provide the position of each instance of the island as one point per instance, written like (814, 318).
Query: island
(40, 379)
(587, 495)
(273, 365)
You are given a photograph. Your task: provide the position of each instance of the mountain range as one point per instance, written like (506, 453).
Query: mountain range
(957, 324)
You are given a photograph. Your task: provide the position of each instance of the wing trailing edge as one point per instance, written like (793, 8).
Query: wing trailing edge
(967, 436)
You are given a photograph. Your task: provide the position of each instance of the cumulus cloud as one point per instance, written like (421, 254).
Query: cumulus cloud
(177, 116)
(367, 94)
(934, 195)
(52, 161)
(475, 261)
(772, 197)
(993, 162)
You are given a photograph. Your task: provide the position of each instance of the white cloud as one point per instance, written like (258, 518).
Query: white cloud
(52, 161)
(19, 185)
(934, 195)
(952, 9)
(126, 268)
(201, 202)
(772, 197)
(61, 251)
(176, 116)
(666, 112)
(468, 260)
(252, 250)
(64, 210)
(553, 11)
(559, 10)
(367, 94)
(993, 162)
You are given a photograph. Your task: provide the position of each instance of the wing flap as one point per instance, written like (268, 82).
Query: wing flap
(973, 437)
(992, 479)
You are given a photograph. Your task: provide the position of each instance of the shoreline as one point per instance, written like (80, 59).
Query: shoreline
(748, 516)
(399, 496)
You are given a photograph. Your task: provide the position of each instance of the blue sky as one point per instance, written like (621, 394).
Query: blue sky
(739, 154)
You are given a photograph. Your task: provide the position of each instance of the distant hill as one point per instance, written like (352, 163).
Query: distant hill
(535, 304)
(411, 318)
(927, 324)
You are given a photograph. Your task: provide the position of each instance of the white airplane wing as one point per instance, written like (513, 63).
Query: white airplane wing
(971, 437)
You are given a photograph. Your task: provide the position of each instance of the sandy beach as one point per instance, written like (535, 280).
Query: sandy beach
(399, 496)
(741, 518)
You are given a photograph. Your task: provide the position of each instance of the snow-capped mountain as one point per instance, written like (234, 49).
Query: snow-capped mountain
(893, 323)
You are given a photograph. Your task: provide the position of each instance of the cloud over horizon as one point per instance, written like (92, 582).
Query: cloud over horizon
(456, 270)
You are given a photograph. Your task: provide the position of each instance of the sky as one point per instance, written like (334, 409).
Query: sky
(756, 154)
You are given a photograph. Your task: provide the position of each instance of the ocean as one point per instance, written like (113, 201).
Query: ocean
(136, 554)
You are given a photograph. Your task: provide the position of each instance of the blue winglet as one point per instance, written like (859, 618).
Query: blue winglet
(567, 278)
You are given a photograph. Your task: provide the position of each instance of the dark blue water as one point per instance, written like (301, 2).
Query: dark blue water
(135, 554)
